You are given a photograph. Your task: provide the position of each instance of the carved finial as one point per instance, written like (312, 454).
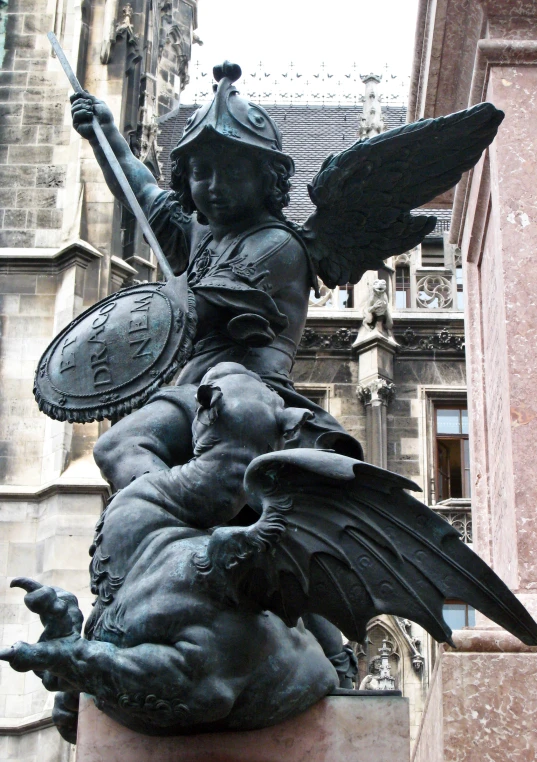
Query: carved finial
(371, 78)
(371, 123)
(227, 69)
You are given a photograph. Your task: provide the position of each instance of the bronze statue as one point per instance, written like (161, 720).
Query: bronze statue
(200, 624)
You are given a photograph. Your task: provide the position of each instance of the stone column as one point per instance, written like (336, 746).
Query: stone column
(375, 347)
(375, 396)
(372, 122)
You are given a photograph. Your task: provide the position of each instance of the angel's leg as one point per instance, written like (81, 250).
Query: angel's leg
(153, 438)
(331, 641)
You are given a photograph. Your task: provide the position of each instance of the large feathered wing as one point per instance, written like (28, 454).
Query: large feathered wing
(344, 539)
(364, 194)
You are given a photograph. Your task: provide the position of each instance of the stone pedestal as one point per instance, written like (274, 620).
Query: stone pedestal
(337, 729)
(482, 701)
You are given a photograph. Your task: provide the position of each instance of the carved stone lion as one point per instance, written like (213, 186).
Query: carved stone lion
(377, 312)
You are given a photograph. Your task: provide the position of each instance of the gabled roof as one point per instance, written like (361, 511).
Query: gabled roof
(310, 134)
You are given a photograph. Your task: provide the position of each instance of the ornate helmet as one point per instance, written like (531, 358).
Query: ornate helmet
(232, 118)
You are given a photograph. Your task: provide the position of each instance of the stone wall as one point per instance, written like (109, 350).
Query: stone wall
(40, 294)
(482, 701)
(417, 379)
(34, 133)
(45, 534)
(429, 745)
(43, 745)
(428, 364)
(332, 371)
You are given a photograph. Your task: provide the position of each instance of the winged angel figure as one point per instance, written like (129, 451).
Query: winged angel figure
(200, 624)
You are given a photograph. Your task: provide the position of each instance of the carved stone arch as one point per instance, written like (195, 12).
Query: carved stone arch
(403, 260)
(379, 629)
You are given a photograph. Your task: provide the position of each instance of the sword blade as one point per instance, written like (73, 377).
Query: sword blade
(121, 177)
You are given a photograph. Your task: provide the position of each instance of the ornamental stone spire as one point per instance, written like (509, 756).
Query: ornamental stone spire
(372, 122)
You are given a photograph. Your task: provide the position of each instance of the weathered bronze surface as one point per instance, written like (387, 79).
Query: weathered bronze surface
(247, 530)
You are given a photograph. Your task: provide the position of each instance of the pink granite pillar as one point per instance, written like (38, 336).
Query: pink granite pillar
(499, 245)
(483, 698)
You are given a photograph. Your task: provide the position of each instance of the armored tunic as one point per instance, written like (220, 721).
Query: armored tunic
(265, 271)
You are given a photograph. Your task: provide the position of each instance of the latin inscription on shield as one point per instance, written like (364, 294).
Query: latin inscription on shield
(105, 361)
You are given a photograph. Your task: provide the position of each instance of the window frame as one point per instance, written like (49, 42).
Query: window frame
(440, 437)
(406, 290)
(349, 290)
(324, 393)
(431, 396)
(469, 611)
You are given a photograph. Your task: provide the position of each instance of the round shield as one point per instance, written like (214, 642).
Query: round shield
(111, 359)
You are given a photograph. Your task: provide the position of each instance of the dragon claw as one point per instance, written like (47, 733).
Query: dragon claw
(45, 601)
(28, 584)
(57, 609)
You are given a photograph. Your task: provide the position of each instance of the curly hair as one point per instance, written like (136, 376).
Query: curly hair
(276, 175)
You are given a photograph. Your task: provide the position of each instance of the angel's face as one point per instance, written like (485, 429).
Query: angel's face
(226, 184)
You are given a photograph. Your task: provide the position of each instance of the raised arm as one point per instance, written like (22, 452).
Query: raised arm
(140, 178)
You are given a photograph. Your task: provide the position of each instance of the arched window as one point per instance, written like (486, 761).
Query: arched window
(402, 287)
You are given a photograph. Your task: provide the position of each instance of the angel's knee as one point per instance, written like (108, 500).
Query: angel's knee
(152, 439)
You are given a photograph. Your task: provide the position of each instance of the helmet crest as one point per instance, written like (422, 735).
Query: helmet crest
(234, 119)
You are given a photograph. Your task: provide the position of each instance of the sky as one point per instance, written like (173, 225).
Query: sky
(327, 44)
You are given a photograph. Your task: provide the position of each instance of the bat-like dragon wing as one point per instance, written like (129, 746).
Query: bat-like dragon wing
(344, 539)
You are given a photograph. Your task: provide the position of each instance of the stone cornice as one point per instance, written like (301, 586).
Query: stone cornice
(495, 640)
(443, 340)
(17, 493)
(498, 52)
(142, 262)
(120, 272)
(339, 339)
(123, 267)
(20, 727)
(506, 51)
(362, 344)
(428, 332)
(48, 261)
